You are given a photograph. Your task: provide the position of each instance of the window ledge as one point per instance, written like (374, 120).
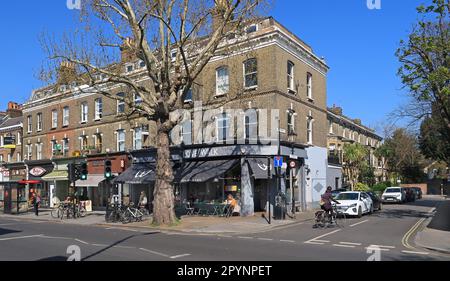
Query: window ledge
(218, 96)
(310, 99)
(293, 92)
(248, 89)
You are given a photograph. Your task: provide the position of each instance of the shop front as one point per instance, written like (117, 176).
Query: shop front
(13, 198)
(209, 174)
(36, 183)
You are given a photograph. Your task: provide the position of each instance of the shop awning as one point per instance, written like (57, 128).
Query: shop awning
(56, 176)
(137, 174)
(260, 168)
(205, 170)
(92, 181)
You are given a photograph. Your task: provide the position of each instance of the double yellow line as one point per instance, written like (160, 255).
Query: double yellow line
(408, 234)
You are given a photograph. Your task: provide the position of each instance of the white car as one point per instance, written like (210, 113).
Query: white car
(354, 203)
(393, 195)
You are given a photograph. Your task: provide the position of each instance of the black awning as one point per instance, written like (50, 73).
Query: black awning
(260, 168)
(204, 171)
(138, 174)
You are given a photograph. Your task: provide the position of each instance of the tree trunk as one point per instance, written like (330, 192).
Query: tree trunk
(163, 204)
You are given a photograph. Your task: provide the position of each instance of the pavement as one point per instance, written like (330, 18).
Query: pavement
(92, 218)
(436, 235)
(387, 235)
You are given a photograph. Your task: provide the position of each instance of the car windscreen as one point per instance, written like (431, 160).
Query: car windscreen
(347, 196)
(392, 190)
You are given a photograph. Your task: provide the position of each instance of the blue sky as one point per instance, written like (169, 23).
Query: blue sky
(358, 44)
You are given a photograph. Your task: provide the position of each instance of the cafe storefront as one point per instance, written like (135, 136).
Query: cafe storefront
(208, 174)
(36, 182)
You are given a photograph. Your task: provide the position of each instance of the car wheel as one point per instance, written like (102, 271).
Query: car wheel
(359, 212)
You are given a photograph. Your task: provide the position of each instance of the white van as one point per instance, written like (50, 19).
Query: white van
(393, 195)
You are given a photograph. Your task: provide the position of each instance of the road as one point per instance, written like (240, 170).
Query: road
(390, 231)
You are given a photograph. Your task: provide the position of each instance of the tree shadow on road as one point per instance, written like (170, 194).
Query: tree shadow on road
(401, 213)
(4, 231)
(118, 243)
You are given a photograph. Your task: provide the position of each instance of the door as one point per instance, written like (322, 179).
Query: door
(7, 198)
(366, 202)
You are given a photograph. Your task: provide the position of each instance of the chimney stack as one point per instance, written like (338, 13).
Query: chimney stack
(67, 73)
(14, 110)
(127, 50)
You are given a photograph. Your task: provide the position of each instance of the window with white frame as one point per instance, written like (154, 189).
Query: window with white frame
(121, 140)
(309, 130)
(9, 158)
(291, 122)
(56, 148)
(129, 68)
(137, 138)
(99, 143)
(66, 114)
(84, 112)
(30, 124)
(19, 157)
(251, 73)
(39, 122)
(222, 81)
(189, 96)
(251, 127)
(331, 130)
(1, 158)
(186, 132)
(290, 76)
(137, 99)
(19, 138)
(29, 155)
(38, 151)
(309, 85)
(54, 119)
(223, 127)
(120, 103)
(84, 143)
(98, 109)
(65, 146)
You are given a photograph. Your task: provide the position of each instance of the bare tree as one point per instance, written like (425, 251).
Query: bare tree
(174, 39)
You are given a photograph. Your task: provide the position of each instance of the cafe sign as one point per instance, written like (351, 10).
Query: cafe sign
(38, 171)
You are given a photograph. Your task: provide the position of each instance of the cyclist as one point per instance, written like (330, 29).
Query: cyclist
(325, 203)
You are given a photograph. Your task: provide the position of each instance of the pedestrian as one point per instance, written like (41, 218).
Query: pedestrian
(36, 202)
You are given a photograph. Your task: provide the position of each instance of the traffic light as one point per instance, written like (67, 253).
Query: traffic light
(83, 171)
(108, 169)
(73, 172)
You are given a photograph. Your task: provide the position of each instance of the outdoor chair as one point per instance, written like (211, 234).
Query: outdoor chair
(189, 209)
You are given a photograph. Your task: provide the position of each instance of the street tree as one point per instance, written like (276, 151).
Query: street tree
(355, 159)
(434, 139)
(173, 39)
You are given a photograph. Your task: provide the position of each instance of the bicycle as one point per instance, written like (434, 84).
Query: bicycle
(131, 214)
(323, 219)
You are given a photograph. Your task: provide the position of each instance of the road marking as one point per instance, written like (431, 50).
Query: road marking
(100, 245)
(314, 243)
(81, 241)
(410, 232)
(154, 252)
(20, 237)
(265, 239)
(350, 243)
(416, 253)
(358, 223)
(288, 241)
(242, 237)
(226, 236)
(317, 241)
(321, 241)
(344, 246)
(124, 247)
(371, 247)
(180, 256)
(381, 246)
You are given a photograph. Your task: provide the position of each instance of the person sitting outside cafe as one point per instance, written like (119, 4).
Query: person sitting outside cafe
(232, 205)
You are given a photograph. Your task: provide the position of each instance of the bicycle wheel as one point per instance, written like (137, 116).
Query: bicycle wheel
(82, 212)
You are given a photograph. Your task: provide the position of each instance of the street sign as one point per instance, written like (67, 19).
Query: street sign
(278, 163)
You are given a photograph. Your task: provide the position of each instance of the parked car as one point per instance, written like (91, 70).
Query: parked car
(418, 192)
(377, 202)
(336, 192)
(354, 203)
(410, 195)
(394, 195)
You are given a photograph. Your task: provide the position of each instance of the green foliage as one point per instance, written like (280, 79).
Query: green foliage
(361, 187)
(379, 187)
(367, 175)
(432, 139)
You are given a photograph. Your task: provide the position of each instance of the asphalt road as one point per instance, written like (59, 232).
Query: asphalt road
(385, 235)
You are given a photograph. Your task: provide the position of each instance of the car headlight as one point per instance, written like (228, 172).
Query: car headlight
(353, 205)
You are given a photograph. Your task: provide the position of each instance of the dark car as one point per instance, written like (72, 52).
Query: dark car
(410, 195)
(377, 204)
(418, 192)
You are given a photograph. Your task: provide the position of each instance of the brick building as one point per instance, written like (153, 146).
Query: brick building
(63, 123)
(342, 130)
